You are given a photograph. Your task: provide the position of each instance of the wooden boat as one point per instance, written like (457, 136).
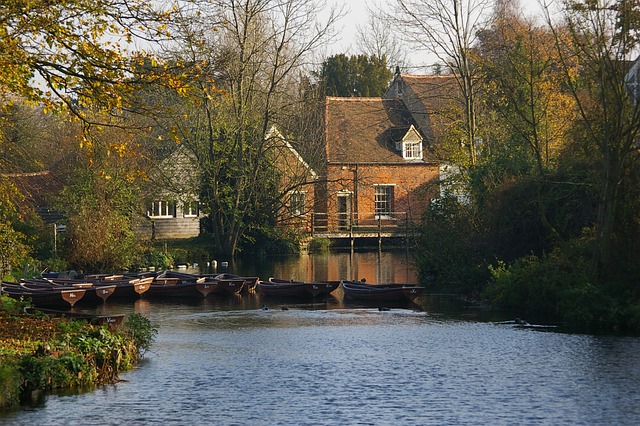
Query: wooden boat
(313, 288)
(108, 286)
(321, 288)
(249, 282)
(283, 289)
(134, 288)
(108, 320)
(94, 294)
(229, 285)
(170, 285)
(52, 297)
(207, 284)
(290, 288)
(357, 290)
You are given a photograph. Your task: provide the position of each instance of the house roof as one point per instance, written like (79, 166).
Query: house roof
(437, 92)
(38, 188)
(365, 130)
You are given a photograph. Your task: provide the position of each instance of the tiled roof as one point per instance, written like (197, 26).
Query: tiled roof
(364, 130)
(38, 188)
(435, 91)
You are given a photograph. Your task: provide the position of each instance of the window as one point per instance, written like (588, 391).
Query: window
(412, 150)
(191, 209)
(162, 209)
(383, 201)
(297, 203)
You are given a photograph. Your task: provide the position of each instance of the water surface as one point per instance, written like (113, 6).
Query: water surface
(226, 361)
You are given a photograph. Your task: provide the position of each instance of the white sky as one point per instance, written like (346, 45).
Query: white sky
(358, 15)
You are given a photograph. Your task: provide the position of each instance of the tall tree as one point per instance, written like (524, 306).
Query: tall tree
(101, 194)
(523, 86)
(376, 38)
(603, 35)
(356, 75)
(249, 74)
(73, 50)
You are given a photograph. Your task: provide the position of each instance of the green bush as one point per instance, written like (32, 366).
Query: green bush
(555, 288)
(141, 330)
(9, 384)
(157, 258)
(54, 264)
(319, 245)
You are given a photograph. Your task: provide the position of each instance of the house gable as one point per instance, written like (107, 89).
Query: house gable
(432, 101)
(172, 205)
(280, 147)
(297, 180)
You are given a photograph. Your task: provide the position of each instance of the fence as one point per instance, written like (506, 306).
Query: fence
(360, 225)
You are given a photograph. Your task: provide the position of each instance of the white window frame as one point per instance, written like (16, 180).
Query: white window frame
(412, 150)
(191, 209)
(387, 201)
(298, 203)
(162, 209)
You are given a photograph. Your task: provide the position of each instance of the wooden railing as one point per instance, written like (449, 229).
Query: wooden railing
(360, 224)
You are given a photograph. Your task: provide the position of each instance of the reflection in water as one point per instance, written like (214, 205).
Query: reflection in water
(378, 266)
(230, 365)
(225, 361)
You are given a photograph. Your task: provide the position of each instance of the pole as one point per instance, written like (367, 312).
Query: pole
(55, 240)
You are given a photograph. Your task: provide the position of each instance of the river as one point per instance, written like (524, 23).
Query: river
(226, 361)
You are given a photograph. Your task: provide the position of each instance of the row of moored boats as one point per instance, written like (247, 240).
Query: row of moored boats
(64, 293)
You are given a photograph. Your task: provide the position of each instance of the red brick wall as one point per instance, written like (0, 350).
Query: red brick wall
(414, 186)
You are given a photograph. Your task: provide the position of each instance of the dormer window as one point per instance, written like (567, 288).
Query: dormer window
(412, 150)
(411, 145)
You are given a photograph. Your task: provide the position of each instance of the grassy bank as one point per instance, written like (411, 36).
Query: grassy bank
(40, 353)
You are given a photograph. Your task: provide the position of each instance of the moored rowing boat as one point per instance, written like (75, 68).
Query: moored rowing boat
(53, 297)
(357, 290)
(290, 288)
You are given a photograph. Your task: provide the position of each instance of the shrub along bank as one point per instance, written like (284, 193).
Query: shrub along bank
(40, 353)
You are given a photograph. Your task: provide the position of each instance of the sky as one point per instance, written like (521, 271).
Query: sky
(358, 15)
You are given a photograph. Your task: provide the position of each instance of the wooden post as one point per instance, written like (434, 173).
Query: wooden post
(351, 229)
(406, 231)
(55, 240)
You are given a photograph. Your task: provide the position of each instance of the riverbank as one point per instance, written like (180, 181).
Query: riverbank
(38, 353)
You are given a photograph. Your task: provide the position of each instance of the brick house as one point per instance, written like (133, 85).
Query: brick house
(381, 168)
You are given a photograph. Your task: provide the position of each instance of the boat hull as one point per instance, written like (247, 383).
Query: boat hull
(60, 298)
(288, 288)
(392, 292)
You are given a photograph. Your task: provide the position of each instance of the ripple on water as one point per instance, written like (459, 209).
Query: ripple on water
(359, 366)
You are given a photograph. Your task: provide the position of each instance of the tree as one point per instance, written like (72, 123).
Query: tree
(13, 244)
(356, 75)
(30, 140)
(523, 86)
(249, 70)
(604, 36)
(100, 198)
(376, 38)
(447, 29)
(70, 50)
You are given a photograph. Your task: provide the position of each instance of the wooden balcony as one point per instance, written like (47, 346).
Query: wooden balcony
(361, 225)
